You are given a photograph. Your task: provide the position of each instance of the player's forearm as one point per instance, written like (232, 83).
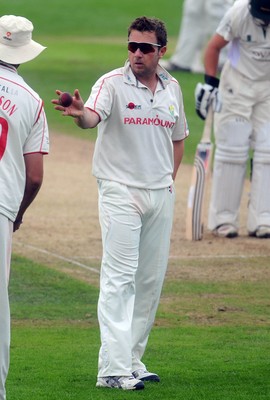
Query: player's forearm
(31, 190)
(33, 182)
(87, 119)
(212, 52)
(178, 151)
(211, 61)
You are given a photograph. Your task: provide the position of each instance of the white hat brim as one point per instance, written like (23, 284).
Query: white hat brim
(20, 54)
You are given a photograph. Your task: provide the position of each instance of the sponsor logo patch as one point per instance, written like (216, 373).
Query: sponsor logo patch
(132, 106)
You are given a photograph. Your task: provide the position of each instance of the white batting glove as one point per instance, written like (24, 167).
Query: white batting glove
(206, 94)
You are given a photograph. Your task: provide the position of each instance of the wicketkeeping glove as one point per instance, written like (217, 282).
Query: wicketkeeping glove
(205, 94)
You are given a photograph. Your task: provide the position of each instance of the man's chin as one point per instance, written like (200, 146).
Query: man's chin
(139, 70)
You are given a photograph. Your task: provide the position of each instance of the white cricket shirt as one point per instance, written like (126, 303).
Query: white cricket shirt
(23, 130)
(135, 134)
(250, 44)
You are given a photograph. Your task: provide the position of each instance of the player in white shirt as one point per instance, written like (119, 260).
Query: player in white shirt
(243, 120)
(141, 130)
(23, 141)
(136, 112)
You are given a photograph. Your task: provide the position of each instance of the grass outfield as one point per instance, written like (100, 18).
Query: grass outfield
(92, 18)
(55, 340)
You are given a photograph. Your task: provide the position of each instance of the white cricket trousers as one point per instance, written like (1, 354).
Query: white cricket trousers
(199, 21)
(136, 227)
(242, 124)
(6, 229)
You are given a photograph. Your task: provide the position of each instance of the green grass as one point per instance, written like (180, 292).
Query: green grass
(92, 18)
(48, 295)
(55, 340)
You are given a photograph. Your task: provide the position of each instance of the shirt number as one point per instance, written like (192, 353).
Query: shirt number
(3, 137)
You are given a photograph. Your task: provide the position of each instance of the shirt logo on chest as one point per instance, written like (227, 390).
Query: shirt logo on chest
(132, 106)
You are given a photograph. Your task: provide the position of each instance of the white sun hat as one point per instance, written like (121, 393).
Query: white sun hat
(16, 44)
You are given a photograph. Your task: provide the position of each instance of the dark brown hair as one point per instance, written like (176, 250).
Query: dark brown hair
(145, 24)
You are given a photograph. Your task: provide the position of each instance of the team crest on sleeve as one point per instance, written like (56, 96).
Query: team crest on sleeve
(171, 109)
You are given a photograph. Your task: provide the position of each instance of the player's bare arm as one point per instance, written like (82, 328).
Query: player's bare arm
(178, 151)
(83, 117)
(212, 52)
(34, 178)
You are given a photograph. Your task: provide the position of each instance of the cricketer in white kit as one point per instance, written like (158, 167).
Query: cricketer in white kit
(243, 121)
(23, 141)
(141, 130)
(133, 162)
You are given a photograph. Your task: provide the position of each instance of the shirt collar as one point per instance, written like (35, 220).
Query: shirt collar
(164, 77)
(8, 67)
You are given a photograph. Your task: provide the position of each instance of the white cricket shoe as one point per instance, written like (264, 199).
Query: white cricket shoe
(226, 230)
(171, 67)
(144, 375)
(262, 232)
(120, 382)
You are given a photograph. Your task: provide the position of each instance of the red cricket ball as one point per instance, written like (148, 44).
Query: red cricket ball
(65, 99)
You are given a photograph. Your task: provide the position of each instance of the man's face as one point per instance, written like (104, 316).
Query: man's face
(144, 64)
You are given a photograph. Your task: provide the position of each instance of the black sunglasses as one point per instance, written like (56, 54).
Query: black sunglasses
(145, 48)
